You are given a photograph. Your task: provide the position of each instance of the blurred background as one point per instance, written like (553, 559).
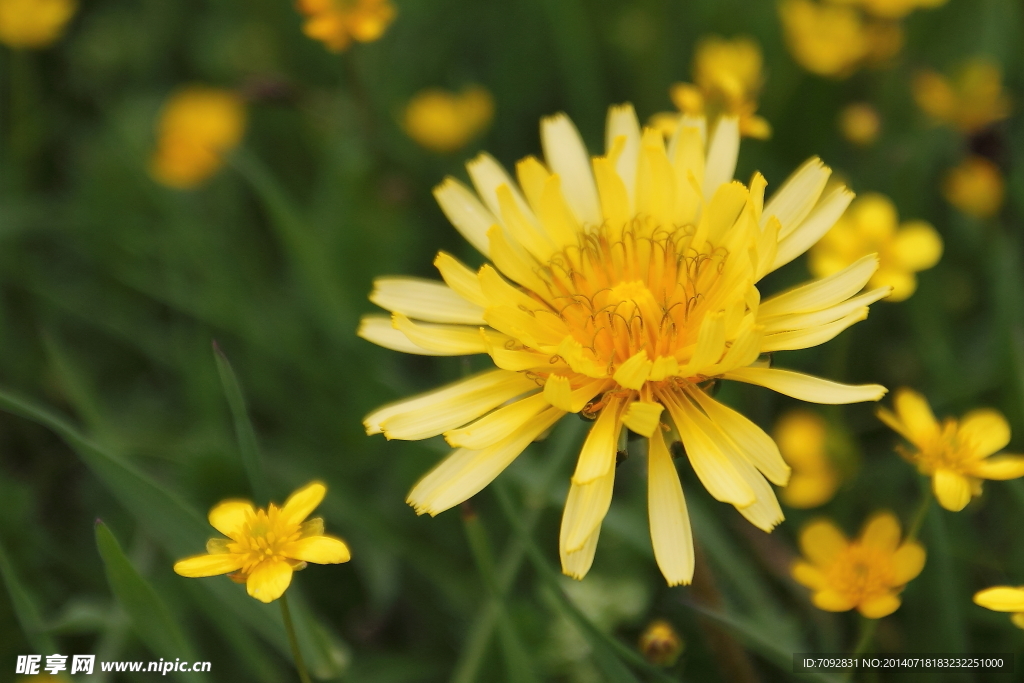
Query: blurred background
(125, 252)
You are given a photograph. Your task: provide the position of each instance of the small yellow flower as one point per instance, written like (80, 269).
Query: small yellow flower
(444, 122)
(728, 78)
(802, 437)
(264, 547)
(1003, 599)
(197, 126)
(972, 99)
(955, 454)
(867, 574)
(34, 23)
(660, 643)
(975, 187)
(891, 9)
(336, 23)
(871, 225)
(860, 124)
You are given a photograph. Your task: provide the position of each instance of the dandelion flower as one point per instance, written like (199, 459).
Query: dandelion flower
(619, 286)
(973, 99)
(871, 225)
(264, 547)
(860, 124)
(975, 187)
(34, 23)
(336, 23)
(1003, 599)
(444, 122)
(802, 437)
(660, 644)
(727, 80)
(957, 455)
(197, 127)
(867, 574)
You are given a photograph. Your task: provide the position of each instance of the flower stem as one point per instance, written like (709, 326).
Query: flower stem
(921, 513)
(867, 634)
(300, 664)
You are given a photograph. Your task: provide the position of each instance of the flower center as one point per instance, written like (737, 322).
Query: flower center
(861, 572)
(263, 537)
(946, 450)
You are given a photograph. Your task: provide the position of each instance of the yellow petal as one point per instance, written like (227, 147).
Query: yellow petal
(1001, 599)
(882, 531)
(821, 541)
(808, 575)
(823, 293)
(917, 246)
(208, 565)
(880, 606)
(465, 212)
(722, 153)
(751, 440)
(585, 509)
(951, 489)
(228, 516)
(907, 562)
(494, 427)
(820, 221)
(597, 456)
(567, 157)
(444, 340)
(670, 523)
(810, 489)
(576, 563)
(796, 197)
(832, 601)
(903, 283)
(425, 300)
(643, 417)
(1001, 467)
(622, 123)
(1018, 620)
(301, 503)
(269, 580)
(558, 392)
(319, 550)
(916, 415)
(807, 387)
(634, 372)
(460, 278)
(985, 431)
(379, 330)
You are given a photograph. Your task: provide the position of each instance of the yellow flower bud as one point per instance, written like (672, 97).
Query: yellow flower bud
(975, 187)
(33, 23)
(660, 643)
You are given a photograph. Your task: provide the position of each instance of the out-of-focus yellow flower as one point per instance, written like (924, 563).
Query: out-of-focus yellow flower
(197, 126)
(975, 187)
(955, 454)
(728, 78)
(1003, 599)
(660, 643)
(860, 123)
(802, 437)
(336, 23)
(33, 23)
(891, 9)
(971, 100)
(264, 547)
(871, 226)
(443, 121)
(867, 574)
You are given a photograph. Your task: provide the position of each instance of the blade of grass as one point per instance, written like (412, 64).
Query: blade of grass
(153, 622)
(25, 608)
(244, 432)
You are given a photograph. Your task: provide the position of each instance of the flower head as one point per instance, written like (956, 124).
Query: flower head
(871, 225)
(660, 643)
(802, 438)
(1003, 599)
(867, 573)
(444, 122)
(975, 187)
(955, 454)
(727, 78)
(860, 124)
(197, 127)
(972, 99)
(34, 23)
(336, 23)
(264, 547)
(621, 285)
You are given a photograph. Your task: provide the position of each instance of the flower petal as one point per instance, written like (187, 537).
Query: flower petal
(907, 562)
(914, 412)
(228, 516)
(820, 294)
(808, 575)
(269, 580)
(986, 430)
(597, 456)
(379, 330)
(797, 196)
(497, 425)
(1001, 599)
(585, 509)
(1000, 467)
(208, 565)
(917, 246)
(301, 503)
(465, 212)
(832, 600)
(880, 606)
(425, 300)
(952, 489)
(567, 157)
(882, 531)
(670, 523)
(820, 221)
(807, 387)
(577, 563)
(723, 150)
(319, 550)
(821, 542)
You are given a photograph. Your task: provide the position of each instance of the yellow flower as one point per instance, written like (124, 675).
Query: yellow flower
(867, 574)
(975, 187)
(871, 225)
(444, 122)
(336, 23)
(264, 547)
(34, 23)
(728, 76)
(891, 9)
(1003, 599)
(955, 454)
(860, 124)
(802, 437)
(973, 99)
(660, 643)
(197, 126)
(620, 285)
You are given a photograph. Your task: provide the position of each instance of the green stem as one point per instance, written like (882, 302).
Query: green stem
(922, 512)
(300, 664)
(867, 634)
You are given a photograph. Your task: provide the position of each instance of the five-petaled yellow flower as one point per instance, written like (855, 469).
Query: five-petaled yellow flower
(620, 286)
(871, 226)
(972, 99)
(803, 439)
(867, 573)
(336, 23)
(197, 127)
(33, 23)
(975, 187)
(443, 121)
(264, 547)
(727, 78)
(955, 454)
(1003, 599)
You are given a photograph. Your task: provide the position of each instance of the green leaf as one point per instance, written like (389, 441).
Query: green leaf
(247, 445)
(25, 607)
(153, 623)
